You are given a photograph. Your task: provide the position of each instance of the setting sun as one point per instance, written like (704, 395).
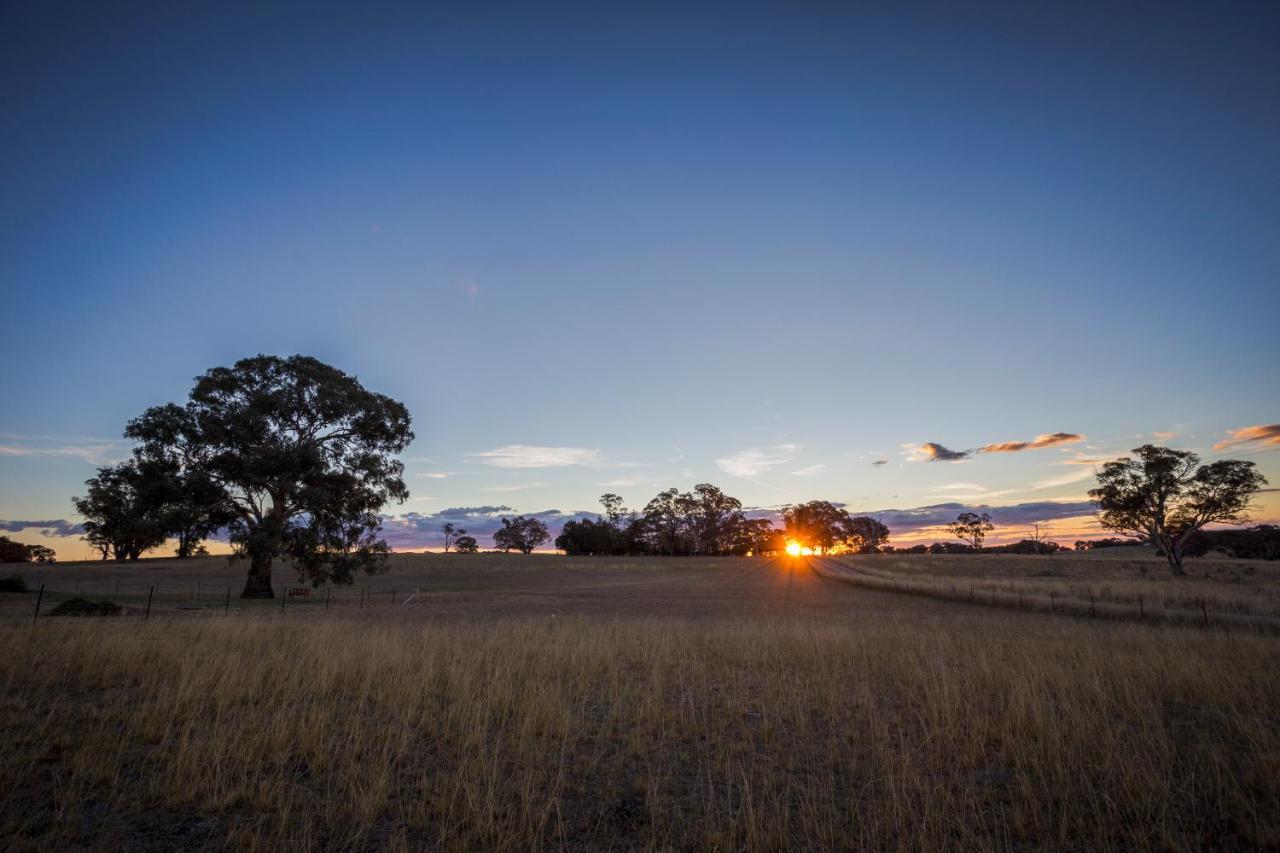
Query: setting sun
(795, 549)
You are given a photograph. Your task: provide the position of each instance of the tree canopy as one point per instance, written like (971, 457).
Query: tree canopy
(1166, 495)
(303, 455)
(972, 528)
(520, 534)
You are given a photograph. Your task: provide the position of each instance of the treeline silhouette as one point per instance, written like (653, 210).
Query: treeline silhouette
(708, 522)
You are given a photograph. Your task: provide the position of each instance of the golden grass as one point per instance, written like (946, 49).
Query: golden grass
(1001, 731)
(1235, 587)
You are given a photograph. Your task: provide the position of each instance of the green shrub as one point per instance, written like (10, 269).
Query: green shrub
(14, 583)
(85, 607)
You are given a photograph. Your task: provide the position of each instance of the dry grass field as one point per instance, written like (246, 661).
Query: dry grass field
(553, 703)
(1115, 575)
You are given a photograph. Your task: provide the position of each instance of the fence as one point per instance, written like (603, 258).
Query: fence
(195, 598)
(1203, 616)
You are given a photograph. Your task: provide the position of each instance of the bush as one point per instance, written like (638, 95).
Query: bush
(85, 607)
(14, 583)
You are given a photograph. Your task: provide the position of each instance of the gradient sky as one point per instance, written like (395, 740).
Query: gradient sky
(764, 247)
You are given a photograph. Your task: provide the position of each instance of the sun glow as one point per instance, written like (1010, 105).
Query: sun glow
(795, 549)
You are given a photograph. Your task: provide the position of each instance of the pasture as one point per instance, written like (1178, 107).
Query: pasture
(542, 702)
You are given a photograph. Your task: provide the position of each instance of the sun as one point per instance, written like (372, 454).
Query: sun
(795, 549)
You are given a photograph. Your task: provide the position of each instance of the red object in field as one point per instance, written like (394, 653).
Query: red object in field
(299, 592)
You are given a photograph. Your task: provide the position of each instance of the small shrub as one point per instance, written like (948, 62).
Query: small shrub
(14, 583)
(85, 607)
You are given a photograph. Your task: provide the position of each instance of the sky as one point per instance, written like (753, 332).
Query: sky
(797, 250)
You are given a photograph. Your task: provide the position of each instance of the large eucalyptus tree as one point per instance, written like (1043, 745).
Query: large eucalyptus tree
(304, 454)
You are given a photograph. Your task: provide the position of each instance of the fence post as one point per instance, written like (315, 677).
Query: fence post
(77, 584)
(326, 598)
(1205, 610)
(117, 586)
(226, 608)
(39, 598)
(1142, 610)
(1092, 610)
(393, 595)
(1053, 604)
(284, 596)
(197, 592)
(150, 593)
(363, 592)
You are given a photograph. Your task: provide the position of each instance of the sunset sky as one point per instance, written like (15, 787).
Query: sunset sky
(795, 251)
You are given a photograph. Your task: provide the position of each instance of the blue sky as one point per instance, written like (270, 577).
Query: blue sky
(763, 247)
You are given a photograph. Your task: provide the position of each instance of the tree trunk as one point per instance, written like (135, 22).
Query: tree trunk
(258, 582)
(1175, 560)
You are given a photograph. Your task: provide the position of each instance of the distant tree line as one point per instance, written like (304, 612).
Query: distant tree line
(707, 522)
(18, 552)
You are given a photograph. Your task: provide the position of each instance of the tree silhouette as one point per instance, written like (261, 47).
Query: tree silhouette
(450, 534)
(865, 535)
(304, 456)
(520, 534)
(972, 528)
(1166, 496)
(816, 524)
(123, 511)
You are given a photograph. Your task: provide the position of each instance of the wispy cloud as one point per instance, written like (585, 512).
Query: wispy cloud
(1049, 439)
(95, 451)
(932, 451)
(810, 470)
(1267, 435)
(880, 462)
(537, 456)
(437, 475)
(625, 482)
(1081, 459)
(968, 492)
(756, 460)
(516, 487)
(1063, 480)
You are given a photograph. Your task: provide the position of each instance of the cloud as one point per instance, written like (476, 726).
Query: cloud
(416, 531)
(49, 527)
(1081, 459)
(468, 511)
(625, 482)
(1063, 480)
(437, 475)
(756, 460)
(936, 515)
(1048, 439)
(1267, 435)
(1163, 436)
(537, 456)
(809, 471)
(95, 451)
(880, 462)
(931, 451)
(516, 487)
(926, 518)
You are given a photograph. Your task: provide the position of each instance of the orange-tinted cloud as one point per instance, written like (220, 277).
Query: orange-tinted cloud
(1265, 434)
(931, 451)
(1048, 439)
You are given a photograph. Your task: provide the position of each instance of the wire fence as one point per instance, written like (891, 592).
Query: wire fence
(144, 601)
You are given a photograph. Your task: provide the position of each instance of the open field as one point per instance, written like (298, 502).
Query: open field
(553, 703)
(1116, 575)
